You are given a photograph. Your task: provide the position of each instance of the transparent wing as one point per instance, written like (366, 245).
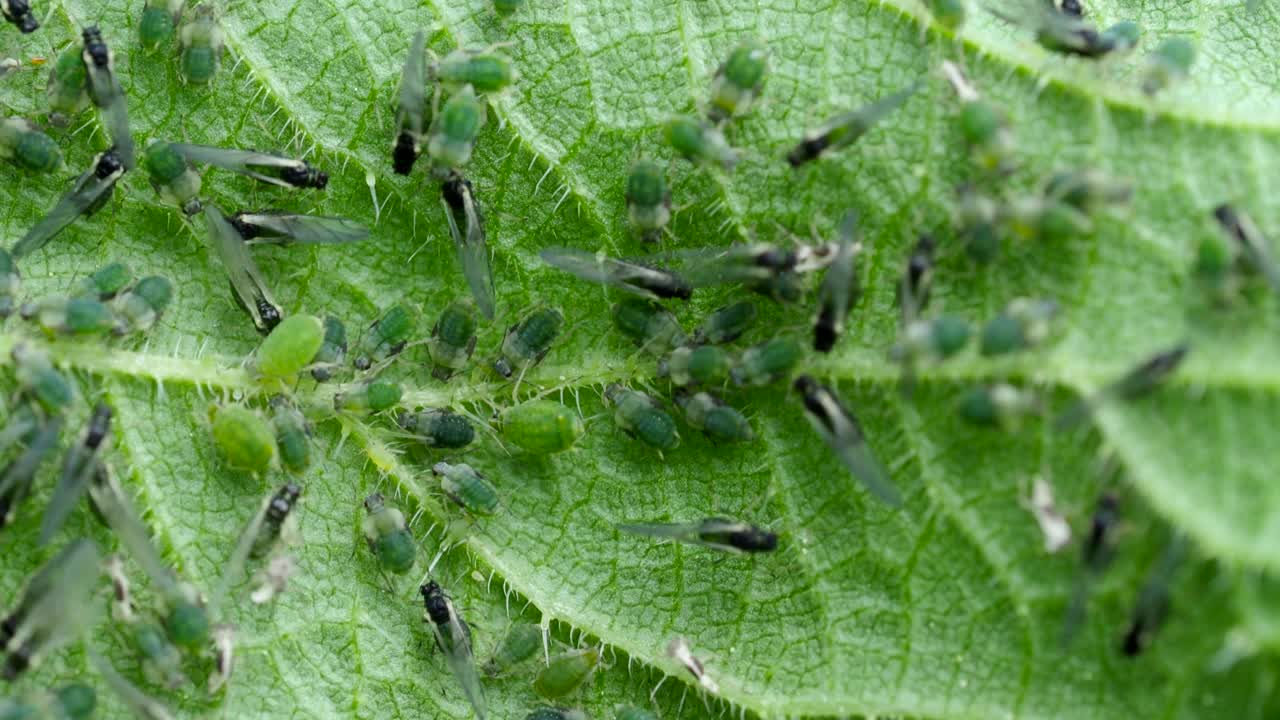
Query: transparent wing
(232, 573)
(837, 290)
(686, 532)
(867, 468)
(87, 190)
(15, 427)
(473, 252)
(239, 161)
(246, 280)
(454, 641)
(706, 267)
(284, 228)
(413, 81)
(139, 703)
(17, 477)
(56, 606)
(116, 506)
(78, 467)
(626, 276)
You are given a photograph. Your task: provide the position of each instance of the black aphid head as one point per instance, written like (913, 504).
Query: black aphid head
(1072, 8)
(283, 501)
(824, 334)
(1135, 639)
(303, 175)
(16, 663)
(271, 316)
(754, 539)
(248, 231)
(99, 425)
(95, 47)
(435, 603)
(404, 154)
(805, 385)
(807, 150)
(108, 165)
(452, 192)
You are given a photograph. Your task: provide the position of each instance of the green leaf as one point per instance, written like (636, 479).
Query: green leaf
(946, 609)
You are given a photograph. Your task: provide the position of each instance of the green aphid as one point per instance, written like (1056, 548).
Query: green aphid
(187, 624)
(26, 145)
(78, 465)
(931, 340)
(277, 512)
(726, 324)
(467, 488)
(68, 87)
(698, 365)
(997, 405)
(104, 283)
(248, 285)
(243, 437)
(411, 107)
(333, 349)
(161, 660)
(1216, 267)
(522, 641)
(487, 72)
(654, 328)
(369, 397)
(454, 130)
(389, 539)
(200, 45)
(453, 339)
(708, 413)
(1170, 62)
(293, 434)
(1122, 36)
(10, 284)
(172, 177)
(453, 639)
(75, 701)
(631, 712)
(1141, 380)
(948, 13)
(1047, 219)
(699, 142)
(986, 131)
(506, 7)
(87, 196)
(107, 95)
(387, 336)
(438, 428)
(289, 348)
(844, 129)
(1087, 190)
(767, 363)
(54, 609)
(648, 199)
(979, 221)
(556, 714)
(528, 341)
(19, 474)
(141, 306)
(40, 381)
(1023, 324)
(738, 81)
(76, 316)
(542, 427)
(158, 22)
(566, 673)
(643, 418)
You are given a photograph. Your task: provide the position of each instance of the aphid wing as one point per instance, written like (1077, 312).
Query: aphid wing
(77, 468)
(238, 161)
(240, 555)
(116, 115)
(19, 474)
(125, 521)
(589, 267)
(413, 82)
(58, 603)
(314, 229)
(88, 188)
(473, 252)
(457, 652)
(684, 532)
(245, 277)
(139, 703)
(867, 467)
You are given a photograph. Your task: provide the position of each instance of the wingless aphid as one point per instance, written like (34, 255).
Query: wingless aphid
(708, 413)
(654, 328)
(411, 107)
(438, 428)
(643, 418)
(983, 125)
(161, 660)
(527, 342)
(648, 199)
(68, 87)
(1152, 608)
(467, 228)
(388, 536)
(159, 20)
(263, 167)
(1023, 324)
(541, 427)
(484, 70)
(1170, 62)
(699, 142)
(453, 339)
(77, 316)
(453, 638)
(842, 432)
(727, 323)
(89, 193)
(371, 396)
(104, 283)
(288, 348)
(648, 282)
(767, 363)
(244, 439)
(997, 405)
(1139, 381)
(18, 13)
(332, 351)
(928, 341)
(522, 641)
(70, 702)
(142, 305)
(387, 336)
(78, 466)
(1096, 554)
(40, 381)
(566, 673)
(978, 216)
(840, 289)
(107, 95)
(53, 609)
(17, 477)
(26, 145)
(200, 46)
(738, 81)
(281, 228)
(716, 533)
(247, 284)
(10, 284)
(454, 130)
(293, 434)
(846, 128)
(948, 13)
(701, 365)
(467, 488)
(1254, 247)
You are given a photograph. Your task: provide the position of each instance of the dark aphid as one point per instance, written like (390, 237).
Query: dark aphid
(1139, 381)
(68, 87)
(1170, 62)
(293, 434)
(643, 418)
(453, 638)
(438, 428)
(708, 413)
(542, 427)
(654, 328)
(78, 467)
(467, 488)
(263, 167)
(288, 348)
(1023, 324)
(243, 437)
(89, 193)
(726, 324)
(387, 336)
(648, 282)
(566, 673)
(159, 20)
(106, 94)
(411, 107)
(104, 283)
(701, 365)
(26, 145)
(10, 284)
(842, 432)
(1065, 33)
(1255, 248)
(453, 339)
(948, 13)
(522, 641)
(1152, 608)
(738, 81)
(333, 350)
(54, 609)
(369, 397)
(917, 280)
(141, 306)
(699, 142)
(840, 289)
(453, 133)
(527, 342)
(38, 380)
(1073, 8)
(78, 316)
(200, 46)
(648, 199)
(282, 228)
(1096, 554)
(846, 128)
(17, 477)
(172, 177)
(277, 512)
(997, 405)
(388, 536)
(466, 225)
(767, 363)
(247, 284)
(716, 533)
(1087, 190)
(483, 70)
(18, 13)
(631, 712)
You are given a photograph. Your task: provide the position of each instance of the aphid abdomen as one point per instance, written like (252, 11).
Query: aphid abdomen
(566, 673)
(542, 427)
(521, 642)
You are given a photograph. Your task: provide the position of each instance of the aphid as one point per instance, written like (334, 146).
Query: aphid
(528, 341)
(263, 167)
(1071, 7)
(1139, 381)
(566, 673)
(473, 252)
(243, 438)
(1061, 32)
(172, 177)
(388, 536)
(699, 142)
(556, 714)
(716, 533)
(61, 315)
(842, 432)
(749, 264)
(78, 466)
(438, 428)
(738, 81)
(453, 339)
(281, 228)
(948, 13)
(40, 381)
(289, 348)
(840, 289)
(654, 328)
(454, 130)
(648, 199)
(200, 46)
(648, 282)
(69, 702)
(369, 397)
(928, 340)
(1023, 324)
(522, 641)
(104, 283)
(277, 512)
(997, 405)
(467, 488)
(68, 87)
(293, 434)
(161, 660)
(53, 609)
(642, 417)
(1095, 554)
(25, 144)
(679, 651)
(138, 703)
(158, 22)
(706, 365)
(916, 285)
(978, 219)
(1053, 526)
(1254, 248)
(485, 71)
(106, 94)
(542, 427)
(1087, 190)
(141, 306)
(411, 107)
(89, 193)
(1034, 217)
(708, 413)
(332, 350)
(846, 128)
(223, 657)
(247, 284)
(767, 363)
(1170, 62)
(18, 13)
(453, 638)
(985, 129)
(1152, 608)
(387, 336)
(726, 324)
(506, 7)
(10, 283)
(20, 473)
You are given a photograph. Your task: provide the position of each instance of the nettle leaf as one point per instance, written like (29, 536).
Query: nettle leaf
(948, 608)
